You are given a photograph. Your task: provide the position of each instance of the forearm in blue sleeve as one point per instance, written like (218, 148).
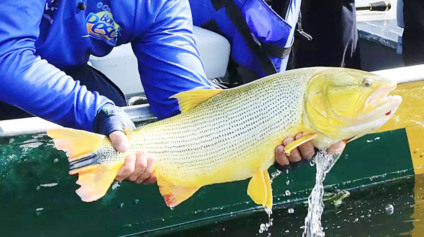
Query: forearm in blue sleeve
(33, 84)
(168, 58)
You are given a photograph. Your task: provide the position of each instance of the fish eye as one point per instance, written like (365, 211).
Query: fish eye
(366, 82)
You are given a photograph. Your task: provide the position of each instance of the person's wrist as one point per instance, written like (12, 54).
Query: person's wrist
(111, 118)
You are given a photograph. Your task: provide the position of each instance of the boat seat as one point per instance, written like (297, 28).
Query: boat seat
(121, 64)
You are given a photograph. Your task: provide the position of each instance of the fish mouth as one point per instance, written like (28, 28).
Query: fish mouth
(380, 108)
(381, 93)
(383, 104)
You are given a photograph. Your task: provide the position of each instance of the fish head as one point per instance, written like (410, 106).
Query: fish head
(344, 104)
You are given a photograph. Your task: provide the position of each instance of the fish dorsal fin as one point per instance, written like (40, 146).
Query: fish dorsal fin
(174, 194)
(76, 143)
(95, 180)
(188, 100)
(259, 188)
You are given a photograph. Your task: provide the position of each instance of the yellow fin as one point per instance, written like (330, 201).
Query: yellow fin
(95, 180)
(290, 147)
(269, 189)
(76, 143)
(259, 188)
(174, 194)
(188, 100)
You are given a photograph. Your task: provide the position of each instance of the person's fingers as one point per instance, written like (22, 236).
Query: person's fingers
(307, 150)
(280, 156)
(127, 169)
(337, 148)
(140, 166)
(148, 171)
(119, 141)
(151, 179)
(295, 154)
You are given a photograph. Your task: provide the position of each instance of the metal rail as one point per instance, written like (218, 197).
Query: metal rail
(14, 127)
(140, 113)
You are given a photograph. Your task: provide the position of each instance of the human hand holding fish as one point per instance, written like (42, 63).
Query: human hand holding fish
(304, 152)
(137, 167)
(230, 135)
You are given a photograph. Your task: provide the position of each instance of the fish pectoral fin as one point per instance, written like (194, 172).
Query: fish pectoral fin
(188, 100)
(174, 194)
(76, 143)
(95, 180)
(293, 145)
(259, 188)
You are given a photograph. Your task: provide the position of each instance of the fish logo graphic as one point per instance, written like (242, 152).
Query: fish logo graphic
(102, 26)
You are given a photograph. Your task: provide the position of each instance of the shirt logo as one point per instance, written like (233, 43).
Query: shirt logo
(49, 10)
(102, 26)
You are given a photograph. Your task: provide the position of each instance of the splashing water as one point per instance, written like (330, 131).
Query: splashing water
(265, 226)
(324, 162)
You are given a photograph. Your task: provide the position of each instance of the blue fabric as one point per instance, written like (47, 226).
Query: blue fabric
(39, 38)
(112, 118)
(265, 25)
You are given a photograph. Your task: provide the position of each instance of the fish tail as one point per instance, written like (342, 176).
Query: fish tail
(81, 147)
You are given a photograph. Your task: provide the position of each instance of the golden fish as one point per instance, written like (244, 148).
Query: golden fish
(228, 135)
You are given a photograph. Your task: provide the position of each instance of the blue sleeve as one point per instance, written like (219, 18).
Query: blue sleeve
(33, 84)
(168, 58)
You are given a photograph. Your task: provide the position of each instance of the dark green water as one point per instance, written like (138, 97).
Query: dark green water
(366, 212)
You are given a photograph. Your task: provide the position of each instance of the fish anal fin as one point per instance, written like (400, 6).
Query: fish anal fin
(174, 194)
(293, 145)
(188, 100)
(259, 188)
(76, 143)
(95, 180)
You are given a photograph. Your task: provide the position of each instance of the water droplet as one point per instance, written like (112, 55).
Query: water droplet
(288, 193)
(290, 210)
(55, 160)
(121, 205)
(136, 201)
(268, 211)
(38, 211)
(223, 229)
(115, 185)
(172, 208)
(356, 220)
(262, 228)
(389, 209)
(288, 182)
(37, 188)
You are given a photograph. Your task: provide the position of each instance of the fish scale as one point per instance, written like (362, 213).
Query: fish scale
(222, 130)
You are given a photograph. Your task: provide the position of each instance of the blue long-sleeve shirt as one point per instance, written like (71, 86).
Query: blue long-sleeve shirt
(40, 37)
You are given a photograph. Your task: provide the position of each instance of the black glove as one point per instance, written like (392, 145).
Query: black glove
(111, 118)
